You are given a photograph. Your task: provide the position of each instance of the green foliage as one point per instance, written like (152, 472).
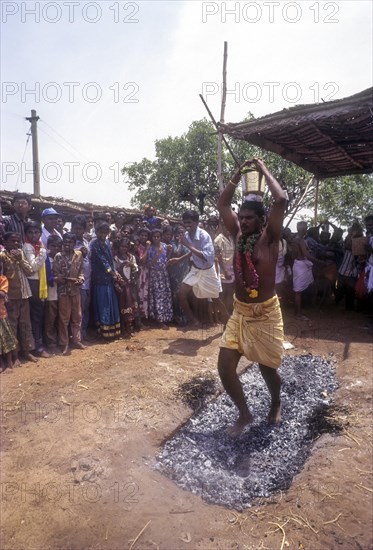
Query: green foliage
(347, 198)
(183, 175)
(184, 168)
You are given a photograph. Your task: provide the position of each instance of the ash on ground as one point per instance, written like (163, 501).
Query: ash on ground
(203, 459)
(197, 391)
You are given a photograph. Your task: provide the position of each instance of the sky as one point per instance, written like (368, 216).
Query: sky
(109, 78)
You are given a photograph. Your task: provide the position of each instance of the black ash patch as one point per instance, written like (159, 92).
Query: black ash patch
(197, 391)
(203, 459)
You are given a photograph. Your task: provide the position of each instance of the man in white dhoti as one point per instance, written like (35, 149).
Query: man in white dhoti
(302, 269)
(202, 277)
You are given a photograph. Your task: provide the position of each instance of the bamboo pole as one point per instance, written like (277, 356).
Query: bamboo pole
(222, 111)
(316, 199)
(297, 206)
(217, 127)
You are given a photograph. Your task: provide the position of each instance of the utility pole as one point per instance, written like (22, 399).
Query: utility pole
(35, 151)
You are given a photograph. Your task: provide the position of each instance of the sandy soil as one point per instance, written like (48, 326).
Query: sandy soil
(80, 435)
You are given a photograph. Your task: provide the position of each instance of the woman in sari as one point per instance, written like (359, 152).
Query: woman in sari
(104, 275)
(178, 266)
(160, 300)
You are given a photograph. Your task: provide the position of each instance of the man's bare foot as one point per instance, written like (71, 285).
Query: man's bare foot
(66, 351)
(31, 357)
(79, 345)
(239, 425)
(16, 363)
(274, 416)
(44, 354)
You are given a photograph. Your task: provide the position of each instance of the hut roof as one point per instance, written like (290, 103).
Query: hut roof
(328, 139)
(68, 208)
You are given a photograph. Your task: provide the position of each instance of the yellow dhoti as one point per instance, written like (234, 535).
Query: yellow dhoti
(256, 331)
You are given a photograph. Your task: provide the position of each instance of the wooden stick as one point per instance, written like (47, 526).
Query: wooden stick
(282, 531)
(139, 535)
(332, 520)
(363, 487)
(217, 127)
(349, 436)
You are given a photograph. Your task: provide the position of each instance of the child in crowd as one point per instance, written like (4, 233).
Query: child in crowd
(79, 228)
(54, 245)
(16, 269)
(141, 246)
(126, 231)
(60, 224)
(125, 264)
(167, 234)
(68, 271)
(90, 232)
(150, 216)
(36, 255)
(8, 342)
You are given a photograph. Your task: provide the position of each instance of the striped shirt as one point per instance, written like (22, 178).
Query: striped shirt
(15, 224)
(348, 266)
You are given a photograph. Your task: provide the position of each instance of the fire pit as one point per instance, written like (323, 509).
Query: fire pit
(203, 459)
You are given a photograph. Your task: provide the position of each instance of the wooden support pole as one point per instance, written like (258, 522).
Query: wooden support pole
(316, 199)
(222, 111)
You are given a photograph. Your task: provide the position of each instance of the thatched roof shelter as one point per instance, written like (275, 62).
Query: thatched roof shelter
(329, 139)
(66, 207)
(69, 208)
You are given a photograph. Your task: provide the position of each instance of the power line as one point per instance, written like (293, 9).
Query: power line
(5, 112)
(60, 144)
(64, 139)
(23, 157)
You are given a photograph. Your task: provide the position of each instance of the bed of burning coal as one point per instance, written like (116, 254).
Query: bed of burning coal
(235, 473)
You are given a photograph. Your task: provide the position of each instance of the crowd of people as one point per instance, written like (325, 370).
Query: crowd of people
(108, 277)
(319, 266)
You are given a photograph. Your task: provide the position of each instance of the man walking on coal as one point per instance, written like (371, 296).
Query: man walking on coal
(255, 328)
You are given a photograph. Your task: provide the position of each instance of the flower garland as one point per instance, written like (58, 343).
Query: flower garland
(245, 247)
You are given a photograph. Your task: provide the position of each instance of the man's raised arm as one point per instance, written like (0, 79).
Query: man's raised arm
(276, 216)
(225, 200)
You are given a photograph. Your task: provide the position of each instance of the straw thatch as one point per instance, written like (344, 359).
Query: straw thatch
(329, 139)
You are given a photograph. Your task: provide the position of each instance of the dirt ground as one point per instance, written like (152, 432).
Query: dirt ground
(80, 436)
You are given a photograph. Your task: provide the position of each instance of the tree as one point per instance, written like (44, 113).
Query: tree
(347, 198)
(183, 175)
(183, 172)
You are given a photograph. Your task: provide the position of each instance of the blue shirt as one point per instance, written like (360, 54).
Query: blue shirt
(203, 242)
